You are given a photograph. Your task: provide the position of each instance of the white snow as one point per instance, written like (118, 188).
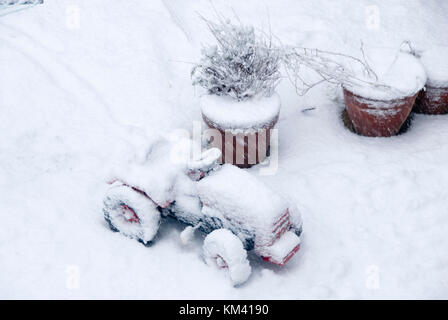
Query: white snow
(435, 61)
(73, 100)
(400, 71)
(228, 113)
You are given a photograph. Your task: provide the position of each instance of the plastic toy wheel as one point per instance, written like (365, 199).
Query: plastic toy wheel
(131, 213)
(225, 250)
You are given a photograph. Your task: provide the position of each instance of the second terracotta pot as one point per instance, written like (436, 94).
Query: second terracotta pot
(432, 101)
(377, 118)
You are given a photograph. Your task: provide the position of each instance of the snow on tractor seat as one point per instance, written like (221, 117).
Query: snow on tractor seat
(259, 208)
(153, 168)
(158, 168)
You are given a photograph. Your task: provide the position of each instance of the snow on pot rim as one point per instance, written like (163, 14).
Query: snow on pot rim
(435, 62)
(400, 75)
(227, 113)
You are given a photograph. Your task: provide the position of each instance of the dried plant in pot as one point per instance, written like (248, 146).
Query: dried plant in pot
(434, 99)
(240, 106)
(379, 89)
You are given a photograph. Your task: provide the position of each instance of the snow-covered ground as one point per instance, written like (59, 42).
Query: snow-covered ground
(79, 81)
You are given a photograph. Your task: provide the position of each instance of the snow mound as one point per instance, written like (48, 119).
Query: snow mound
(435, 61)
(228, 113)
(221, 247)
(401, 71)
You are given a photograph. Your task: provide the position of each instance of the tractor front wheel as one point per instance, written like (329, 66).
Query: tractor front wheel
(225, 250)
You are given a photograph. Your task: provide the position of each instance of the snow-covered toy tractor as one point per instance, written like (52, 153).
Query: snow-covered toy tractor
(236, 211)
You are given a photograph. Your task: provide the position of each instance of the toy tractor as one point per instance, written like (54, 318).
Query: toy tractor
(236, 211)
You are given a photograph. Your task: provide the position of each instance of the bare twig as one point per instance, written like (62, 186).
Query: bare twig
(329, 68)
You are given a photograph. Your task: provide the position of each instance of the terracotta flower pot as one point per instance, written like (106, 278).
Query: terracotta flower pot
(379, 106)
(239, 129)
(377, 118)
(435, 99)
(432, 101)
